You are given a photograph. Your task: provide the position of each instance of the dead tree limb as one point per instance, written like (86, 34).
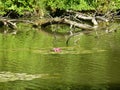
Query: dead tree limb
(8, 23)
(65, 21)
(93, 20)
(102, 18)
(7, 26)
(79, 25)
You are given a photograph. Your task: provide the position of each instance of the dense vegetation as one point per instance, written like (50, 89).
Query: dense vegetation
(20, 7)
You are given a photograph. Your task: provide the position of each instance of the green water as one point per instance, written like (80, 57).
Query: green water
(28, 62)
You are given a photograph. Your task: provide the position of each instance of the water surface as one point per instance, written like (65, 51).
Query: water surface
(28, 62)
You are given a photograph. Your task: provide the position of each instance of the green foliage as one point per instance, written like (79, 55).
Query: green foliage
(98, 5)
(106, 5)
(69, 4)
(115, 4)
(20, 6)
(101, 5)
(17, 5)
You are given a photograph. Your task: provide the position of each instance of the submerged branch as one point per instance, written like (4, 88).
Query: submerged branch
(76, 34)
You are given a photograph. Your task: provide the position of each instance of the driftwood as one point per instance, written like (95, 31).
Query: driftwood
(23, 21)
(7, 26)
(8, 23)
(65, 21)
(58, 20)
(79, 25)
(102, 18)
(75, 19)
(93, 20)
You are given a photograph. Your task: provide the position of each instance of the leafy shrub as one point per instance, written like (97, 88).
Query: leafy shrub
(21, 6)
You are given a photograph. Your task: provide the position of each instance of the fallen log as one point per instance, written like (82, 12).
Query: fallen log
(102, 18)
(7, 26)
(86, 17)
(65, 21)
(93, 20)
(8, 23)
(79, 25)
(50, 21)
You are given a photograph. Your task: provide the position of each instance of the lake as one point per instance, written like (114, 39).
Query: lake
(89, 61)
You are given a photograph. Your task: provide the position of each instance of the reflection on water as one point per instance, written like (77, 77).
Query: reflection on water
(27, 62)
